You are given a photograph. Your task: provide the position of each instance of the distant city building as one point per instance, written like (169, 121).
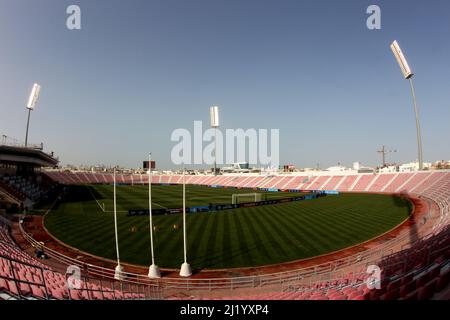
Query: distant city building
(413, 166)
(337, 168)
(238, 167)
(440, 165)
(388, 168)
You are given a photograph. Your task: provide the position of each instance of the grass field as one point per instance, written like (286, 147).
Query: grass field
(235, 238)
(163, 196)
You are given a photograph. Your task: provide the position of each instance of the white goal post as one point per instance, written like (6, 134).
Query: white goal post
(255, 197)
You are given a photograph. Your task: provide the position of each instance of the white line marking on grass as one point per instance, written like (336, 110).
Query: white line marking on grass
(154, 203)
(159, 205)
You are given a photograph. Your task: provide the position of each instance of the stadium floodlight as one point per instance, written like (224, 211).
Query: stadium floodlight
(408, 74)
(214, 115)
(34, 95)
(404, 66)
(118, 274)
(153, 270)
(185, 267)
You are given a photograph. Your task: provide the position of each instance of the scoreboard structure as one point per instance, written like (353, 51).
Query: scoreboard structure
(146, 165)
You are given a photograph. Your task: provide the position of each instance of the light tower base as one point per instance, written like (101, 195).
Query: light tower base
(153, 272)
(118, 274)
(185, 270)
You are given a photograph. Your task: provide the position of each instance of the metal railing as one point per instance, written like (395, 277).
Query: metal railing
(12, 142)
(88, 288)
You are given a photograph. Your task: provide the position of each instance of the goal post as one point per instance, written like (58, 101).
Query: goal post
(245, 197)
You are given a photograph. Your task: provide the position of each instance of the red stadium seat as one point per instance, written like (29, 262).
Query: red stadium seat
(3, 285)
(13, 288)
(37, 292)
(25, 289)
(406, 289)
(426, 292)
(391, 295)
(443, 281)
(74, 295)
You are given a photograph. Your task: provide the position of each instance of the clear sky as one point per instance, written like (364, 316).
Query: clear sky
(137, 70)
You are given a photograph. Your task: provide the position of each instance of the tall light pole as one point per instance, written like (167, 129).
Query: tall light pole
(119, 269)
(214, 115)
(153, 270)
(407, 73)
(185, 267)
(30, 106)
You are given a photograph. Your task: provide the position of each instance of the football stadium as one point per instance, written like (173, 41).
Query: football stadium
(173, 230)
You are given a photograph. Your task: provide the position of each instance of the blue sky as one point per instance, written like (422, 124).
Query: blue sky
(137, 70)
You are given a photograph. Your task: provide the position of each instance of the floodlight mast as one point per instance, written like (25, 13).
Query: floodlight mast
(408, 75)
(153, 270)
(185, 270)
(118, 274)
(30, 106)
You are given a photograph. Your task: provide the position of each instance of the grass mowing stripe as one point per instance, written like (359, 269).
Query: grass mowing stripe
(199, 225)
(226, 247)
(279, 223)
(325, 234)
(245, 238)
(274, 241)
(273, 217)
(203, 238)
(335, 233)
(363, 221)
(242, 237)
(305, 228)
(306, 239)
(220, 231)
(211, 236)
(253, 238)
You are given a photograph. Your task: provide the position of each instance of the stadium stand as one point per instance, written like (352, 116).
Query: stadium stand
(332, 182)
(317, 183)
(24, 186)
(24, 277)
(363, 182)
(10, 192)
(412, 267)
(294, 183)
(398, 181)
(416, 180)
(281, 182)
(380, 182)
(347, 183)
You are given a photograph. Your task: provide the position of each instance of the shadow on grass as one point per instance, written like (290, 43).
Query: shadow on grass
(75, 193)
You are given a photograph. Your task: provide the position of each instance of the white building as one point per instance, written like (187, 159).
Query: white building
(413, 166)
(338, 168)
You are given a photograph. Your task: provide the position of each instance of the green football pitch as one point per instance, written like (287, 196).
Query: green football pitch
(243, 237)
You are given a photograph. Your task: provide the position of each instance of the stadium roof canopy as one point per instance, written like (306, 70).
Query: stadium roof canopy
(32, 157)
